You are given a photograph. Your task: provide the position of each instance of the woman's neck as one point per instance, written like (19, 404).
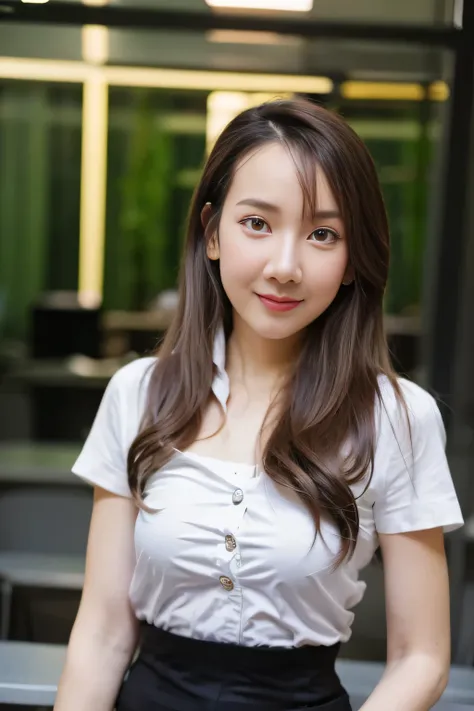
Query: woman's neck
(251, 358)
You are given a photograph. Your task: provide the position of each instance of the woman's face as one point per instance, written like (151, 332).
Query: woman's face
(280, 267)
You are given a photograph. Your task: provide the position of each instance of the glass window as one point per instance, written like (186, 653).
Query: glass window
(402, 137)
(156, 145)
(40, 145)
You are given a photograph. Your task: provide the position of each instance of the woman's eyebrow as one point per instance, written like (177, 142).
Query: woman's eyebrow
(259, 204)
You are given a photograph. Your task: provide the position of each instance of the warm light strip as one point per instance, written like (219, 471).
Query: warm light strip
(56, 70)
(215, 81)
(93, 189)
(382, 90)
(392, 91)
(287, 5)
(43, 69)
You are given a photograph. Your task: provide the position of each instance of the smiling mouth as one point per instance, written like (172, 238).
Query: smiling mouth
(278, 303)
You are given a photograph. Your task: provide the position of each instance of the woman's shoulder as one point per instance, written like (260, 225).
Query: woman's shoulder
(133, 376)
(417, 400)
(407, 410)
(128, 389)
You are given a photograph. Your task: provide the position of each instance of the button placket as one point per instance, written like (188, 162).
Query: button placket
(228, 557)
(226, 550)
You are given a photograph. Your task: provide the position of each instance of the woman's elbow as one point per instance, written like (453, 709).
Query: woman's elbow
(442, 678)
(437, 677)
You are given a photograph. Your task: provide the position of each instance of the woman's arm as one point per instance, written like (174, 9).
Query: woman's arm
(418, 626)
(105, 632)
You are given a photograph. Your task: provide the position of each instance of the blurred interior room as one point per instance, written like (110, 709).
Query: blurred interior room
(107, 110)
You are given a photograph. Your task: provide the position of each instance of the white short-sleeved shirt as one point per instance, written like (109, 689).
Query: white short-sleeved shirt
(228, 556)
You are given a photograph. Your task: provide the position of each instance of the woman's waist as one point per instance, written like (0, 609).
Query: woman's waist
(193, 668)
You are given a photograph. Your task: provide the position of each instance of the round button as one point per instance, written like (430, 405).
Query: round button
(226, 583)
(237, 497)
(230, 543)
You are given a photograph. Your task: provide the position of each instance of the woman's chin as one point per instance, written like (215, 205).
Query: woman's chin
(271, 330)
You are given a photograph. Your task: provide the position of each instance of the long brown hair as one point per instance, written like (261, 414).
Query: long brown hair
(324, 437)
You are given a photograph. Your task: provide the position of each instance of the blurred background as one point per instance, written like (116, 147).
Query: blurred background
(107, 111)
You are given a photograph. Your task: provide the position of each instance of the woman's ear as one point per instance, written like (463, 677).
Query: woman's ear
(212, 248)
(206, 214)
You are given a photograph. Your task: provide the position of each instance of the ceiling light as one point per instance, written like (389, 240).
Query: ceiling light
(289, 5)
(35, 2)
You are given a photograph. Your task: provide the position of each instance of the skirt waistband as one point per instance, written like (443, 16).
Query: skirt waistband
(159, 642)
(176, 673)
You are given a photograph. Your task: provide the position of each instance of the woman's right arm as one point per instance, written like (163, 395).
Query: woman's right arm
(105, 633)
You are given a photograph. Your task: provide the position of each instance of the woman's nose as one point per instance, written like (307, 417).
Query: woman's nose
(284, 263)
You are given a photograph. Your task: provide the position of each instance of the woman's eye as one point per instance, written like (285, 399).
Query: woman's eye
(323, 235)
(256, 224)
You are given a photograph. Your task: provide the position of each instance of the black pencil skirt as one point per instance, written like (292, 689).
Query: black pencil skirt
(175, 673)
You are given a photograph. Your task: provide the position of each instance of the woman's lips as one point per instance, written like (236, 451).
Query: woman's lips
(275, 303)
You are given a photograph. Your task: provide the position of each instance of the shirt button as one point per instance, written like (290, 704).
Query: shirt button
(230, 543)
(226, 583)
(237, 497)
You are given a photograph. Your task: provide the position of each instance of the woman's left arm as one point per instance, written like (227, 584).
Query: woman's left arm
(418, 625)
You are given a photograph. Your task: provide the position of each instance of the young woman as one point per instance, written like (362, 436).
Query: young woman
(245, 476)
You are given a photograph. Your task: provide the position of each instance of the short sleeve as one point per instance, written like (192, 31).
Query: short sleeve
(103, 459)
(415, 490)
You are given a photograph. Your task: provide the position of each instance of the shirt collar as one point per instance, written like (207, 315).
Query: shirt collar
(218, 354)
(220, 384)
